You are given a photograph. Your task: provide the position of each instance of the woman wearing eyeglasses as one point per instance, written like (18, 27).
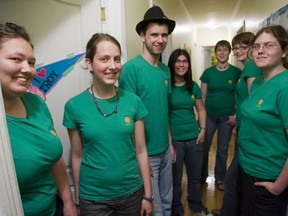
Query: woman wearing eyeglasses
(218, 88)
(263, 139)
(241, 46)
(187, 134)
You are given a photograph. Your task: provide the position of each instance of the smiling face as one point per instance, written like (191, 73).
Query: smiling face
(106, 64)
(155, 38)
(16, 67)
(267, 52)
(222, 54)
(181, 66)
(241, 51)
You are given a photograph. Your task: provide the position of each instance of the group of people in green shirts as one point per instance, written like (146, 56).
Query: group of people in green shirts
(125, 138)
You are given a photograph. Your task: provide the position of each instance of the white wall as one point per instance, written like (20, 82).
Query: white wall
(57, 29)
(134, 12)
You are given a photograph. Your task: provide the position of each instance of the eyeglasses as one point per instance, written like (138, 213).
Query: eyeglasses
(240, 48)
(183, 61)
(265, 46)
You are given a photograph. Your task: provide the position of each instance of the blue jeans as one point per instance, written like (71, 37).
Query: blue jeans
(231, 200)
(191, 154)
(162, 183)
(223, 139)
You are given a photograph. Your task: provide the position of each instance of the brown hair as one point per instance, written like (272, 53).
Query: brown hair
(11, 30)
(222, 43)
(243, 38)
(188, 76)
(91, 46)
(280, 34)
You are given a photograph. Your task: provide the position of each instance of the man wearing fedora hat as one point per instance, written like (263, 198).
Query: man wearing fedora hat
(149, 78)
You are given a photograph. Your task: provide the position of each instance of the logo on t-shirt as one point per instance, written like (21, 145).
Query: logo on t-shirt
(230, 82)
(260, 102)
(192, 97)
(127, 120)
(53, 132)
(166, 82)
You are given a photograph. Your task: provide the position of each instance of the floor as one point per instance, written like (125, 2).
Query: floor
(211, 196)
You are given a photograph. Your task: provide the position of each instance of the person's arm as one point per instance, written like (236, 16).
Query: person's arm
(76, 158)
(204, 90)
(171, 147)
(58, 170)
(280, 184)
(201, 110)
(142, 157)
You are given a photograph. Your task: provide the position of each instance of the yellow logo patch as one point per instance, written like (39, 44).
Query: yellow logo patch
(127, 120)
(260, 102)
(166, 82)
(53, 132)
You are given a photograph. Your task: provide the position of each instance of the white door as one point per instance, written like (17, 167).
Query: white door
(58, 28)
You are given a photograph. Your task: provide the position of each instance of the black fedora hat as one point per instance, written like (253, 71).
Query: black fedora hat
(155, 13)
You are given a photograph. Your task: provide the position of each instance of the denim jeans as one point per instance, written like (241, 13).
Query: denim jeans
(191, 154)
(231, 200)
(162, 183)
(127, 206)
(223, 139)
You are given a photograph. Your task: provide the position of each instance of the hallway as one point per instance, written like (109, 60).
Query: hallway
(211, 196)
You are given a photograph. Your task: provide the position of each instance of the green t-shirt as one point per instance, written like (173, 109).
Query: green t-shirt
(109, 168)
(183, 124)
(35, 147)
(220, 98)
(249, 70)
(263, 141)
(152, 84)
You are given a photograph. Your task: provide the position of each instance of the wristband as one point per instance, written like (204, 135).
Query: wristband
(149, 199)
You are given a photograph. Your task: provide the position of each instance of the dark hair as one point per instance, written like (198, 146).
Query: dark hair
(222, 43)
(91, 46)
(243, 38)
(188, 76)
(11, 30)
(280, 34)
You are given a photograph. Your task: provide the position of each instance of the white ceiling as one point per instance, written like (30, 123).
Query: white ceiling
(211, 12)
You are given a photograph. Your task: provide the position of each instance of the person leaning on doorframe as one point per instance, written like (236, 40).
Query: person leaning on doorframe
(36, 148)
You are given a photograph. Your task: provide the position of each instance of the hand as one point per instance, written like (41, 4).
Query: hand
(201, 137)
(151, 171)
(173, 153)
(231, 120)
(270, 186)
(234, 131)
(70, 210)
(146, 208)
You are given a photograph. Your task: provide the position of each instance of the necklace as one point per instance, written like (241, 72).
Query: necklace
(222, 68)
(98, 107)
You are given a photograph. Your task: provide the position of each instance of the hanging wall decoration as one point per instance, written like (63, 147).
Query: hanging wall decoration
(48, 76)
